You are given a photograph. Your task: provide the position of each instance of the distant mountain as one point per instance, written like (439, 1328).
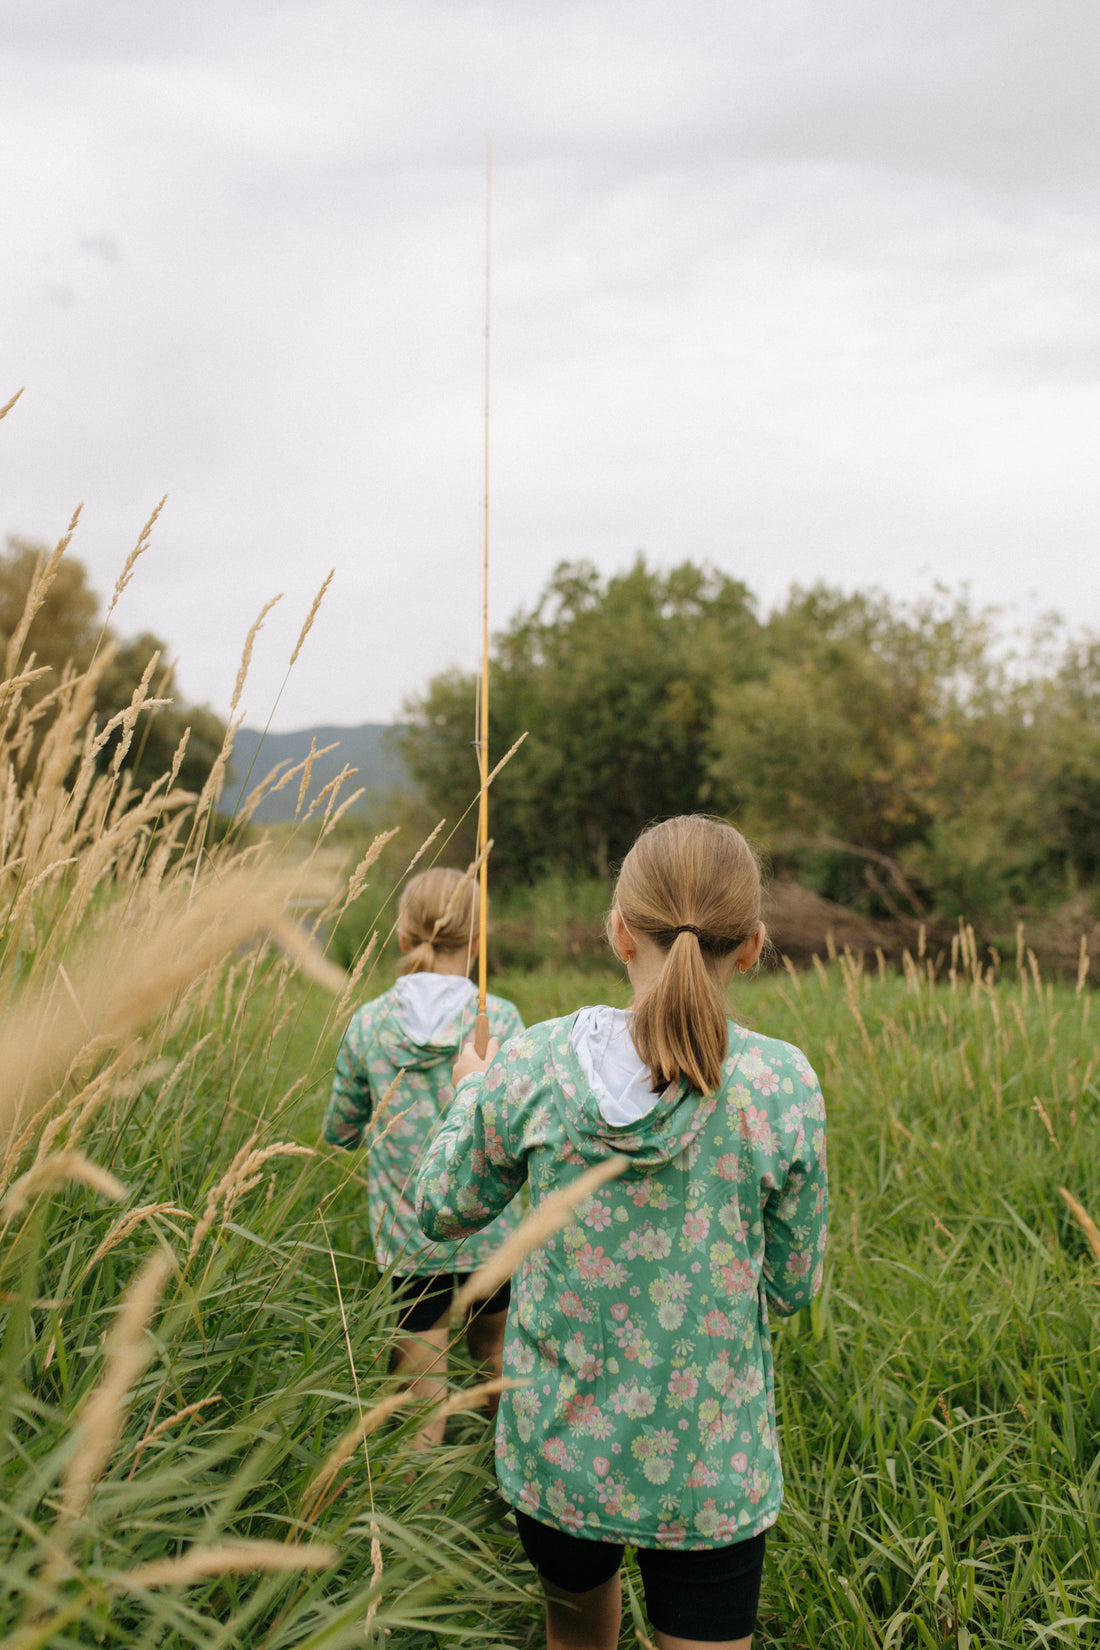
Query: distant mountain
(362, 747)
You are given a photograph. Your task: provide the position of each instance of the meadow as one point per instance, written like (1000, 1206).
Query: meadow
(201, 1440)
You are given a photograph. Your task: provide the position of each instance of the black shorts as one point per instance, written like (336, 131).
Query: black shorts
(428, 1299)
(710, 1595)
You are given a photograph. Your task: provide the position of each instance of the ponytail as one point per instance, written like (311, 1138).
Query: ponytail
(437, 913)
(692, 886)
(680, 1025)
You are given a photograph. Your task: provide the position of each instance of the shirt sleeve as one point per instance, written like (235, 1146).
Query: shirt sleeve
(796, 1212)
(470, 1168)
(350, 1102)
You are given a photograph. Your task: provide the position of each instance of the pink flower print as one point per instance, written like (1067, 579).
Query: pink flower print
(758, 1485)
(563, 1509)
(739, 1278)
(598, 1216)
(728, 1166)
(756, 1127)
(630, 1398)
(725, 1528)
(682, 1384)
(620, 1311)
(718, 1325)
(695, 1228)
(702, 1477)
(739, 1462)
(571, 1306)
(579, 1412)
(651, 1243)
(590, 1367)
(767, 1082)
(520, 1358)
(601, 1466)
(592, 1264)
(529, 1497)
(671, 1535)
(554, 1451)
(799, 1262)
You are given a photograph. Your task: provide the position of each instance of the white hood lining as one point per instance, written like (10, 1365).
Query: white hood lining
(428, 1003)
(618, 1078)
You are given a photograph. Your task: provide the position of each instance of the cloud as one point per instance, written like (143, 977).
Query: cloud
(805, 290)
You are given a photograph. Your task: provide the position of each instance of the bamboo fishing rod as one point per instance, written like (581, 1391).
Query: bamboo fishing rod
(481, 1026)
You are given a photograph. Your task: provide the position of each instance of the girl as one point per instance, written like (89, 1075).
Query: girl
(641, 1329)
(416, 1029)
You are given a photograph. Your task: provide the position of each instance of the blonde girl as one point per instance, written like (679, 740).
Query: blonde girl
(640, 1331)
(415, 1029)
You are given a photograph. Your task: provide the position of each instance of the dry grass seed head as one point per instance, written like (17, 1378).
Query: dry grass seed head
(131, 560)
(310, 961)
(333, 816)
(358, 877)
(242, 1175)
(1084, 1220)
(307, 772)
(55, 1170)
(258, 792)
(125, 983)
(552, 1213)
(246, 654)
(329, 792)
(310, 616)
(230, 1558)
(373, 1418)
(130, 1221)
(127, 1352)
(36, 595)
(355, 979)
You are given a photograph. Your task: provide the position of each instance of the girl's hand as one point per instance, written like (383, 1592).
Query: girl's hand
(469, 1060)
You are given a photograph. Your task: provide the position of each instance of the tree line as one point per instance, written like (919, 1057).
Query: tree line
(908, 758)
(69, 632)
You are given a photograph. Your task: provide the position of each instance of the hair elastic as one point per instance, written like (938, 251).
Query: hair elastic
(688, 928)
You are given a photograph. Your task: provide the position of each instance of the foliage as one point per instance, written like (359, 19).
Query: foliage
(68, 631)
(613, 683)
(899, 757)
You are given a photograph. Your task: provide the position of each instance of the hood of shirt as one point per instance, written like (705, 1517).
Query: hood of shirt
(607, 1098)
(430, 1017)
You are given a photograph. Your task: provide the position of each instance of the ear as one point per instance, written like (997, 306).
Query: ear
(405, 944)
(622, 941)
(748, 953)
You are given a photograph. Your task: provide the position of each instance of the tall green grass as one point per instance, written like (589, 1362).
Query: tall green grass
(190, 1320)
(189, 1317)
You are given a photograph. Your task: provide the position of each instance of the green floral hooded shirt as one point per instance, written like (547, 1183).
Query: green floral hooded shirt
(641, 1328)
(415, 1029)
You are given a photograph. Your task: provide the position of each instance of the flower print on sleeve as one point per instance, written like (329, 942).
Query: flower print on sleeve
(796, 1211)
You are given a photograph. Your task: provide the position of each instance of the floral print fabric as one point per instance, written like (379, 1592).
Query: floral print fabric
(641, 1328)
(375, 1048)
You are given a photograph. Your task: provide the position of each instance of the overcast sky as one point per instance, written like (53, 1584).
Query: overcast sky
(806, 290)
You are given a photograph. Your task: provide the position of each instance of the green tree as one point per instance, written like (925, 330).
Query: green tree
(613, 682)
(68, 630)
(902, 756)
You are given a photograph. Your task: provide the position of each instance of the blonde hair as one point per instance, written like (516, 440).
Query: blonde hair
(437, 912)
(692, 885)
